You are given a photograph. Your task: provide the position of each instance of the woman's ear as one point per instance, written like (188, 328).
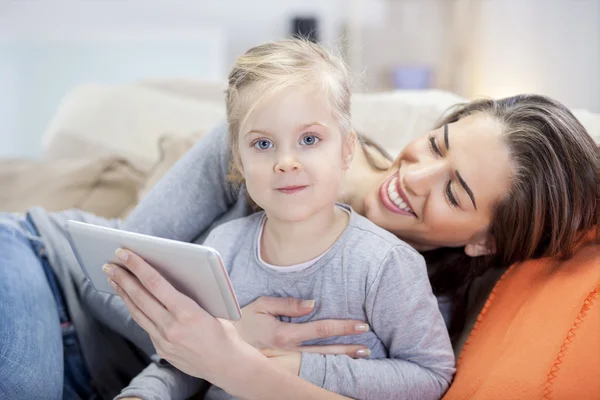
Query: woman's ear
(481, 245)
(348, 148)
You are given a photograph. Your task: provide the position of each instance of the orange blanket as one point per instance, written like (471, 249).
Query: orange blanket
(538, 335)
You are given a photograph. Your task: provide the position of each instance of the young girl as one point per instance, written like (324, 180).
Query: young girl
(288, 107)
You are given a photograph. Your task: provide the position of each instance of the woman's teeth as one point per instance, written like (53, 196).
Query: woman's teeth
(395, 197)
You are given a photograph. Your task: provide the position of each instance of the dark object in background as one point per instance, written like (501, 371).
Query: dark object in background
(305, 27)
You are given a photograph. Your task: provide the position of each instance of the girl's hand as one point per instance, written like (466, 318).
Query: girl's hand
(260, 326)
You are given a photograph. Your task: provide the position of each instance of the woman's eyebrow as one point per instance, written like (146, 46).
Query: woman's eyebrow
(460, 179)
(446, 137)
(467, 188)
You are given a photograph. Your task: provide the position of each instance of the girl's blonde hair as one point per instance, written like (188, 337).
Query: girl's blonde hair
(264, 70)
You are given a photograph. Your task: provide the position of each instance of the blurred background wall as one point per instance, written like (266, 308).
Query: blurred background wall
(471, 47)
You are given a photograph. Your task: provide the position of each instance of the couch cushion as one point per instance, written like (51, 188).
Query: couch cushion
(393, 119)
(105, 186)
(537, 335)
(125, 120)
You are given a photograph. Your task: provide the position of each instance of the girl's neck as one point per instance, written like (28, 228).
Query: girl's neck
(362, 177)
(288, 243)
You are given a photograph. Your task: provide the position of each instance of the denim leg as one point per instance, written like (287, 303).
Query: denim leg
(31, 350)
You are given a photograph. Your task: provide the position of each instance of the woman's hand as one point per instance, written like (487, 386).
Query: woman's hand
(285, 360)
(261, 327)
(176, 324)
(199, 344)
(182, 332)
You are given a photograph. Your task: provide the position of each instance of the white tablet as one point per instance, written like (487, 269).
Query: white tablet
(196, 271)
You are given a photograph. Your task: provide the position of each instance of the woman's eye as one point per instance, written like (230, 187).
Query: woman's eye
(433, 145)
(263, 144)
(310, 140)
(450, 195)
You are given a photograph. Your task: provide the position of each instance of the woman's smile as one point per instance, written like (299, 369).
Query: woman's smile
(393, 197)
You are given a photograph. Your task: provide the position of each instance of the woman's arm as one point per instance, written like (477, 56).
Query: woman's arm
(199, 344)
(188, 199)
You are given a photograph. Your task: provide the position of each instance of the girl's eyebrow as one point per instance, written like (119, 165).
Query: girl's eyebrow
(304, 126)
(260, 131)
(301, 127)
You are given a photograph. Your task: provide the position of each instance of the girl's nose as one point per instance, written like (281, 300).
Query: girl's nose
(287, 163)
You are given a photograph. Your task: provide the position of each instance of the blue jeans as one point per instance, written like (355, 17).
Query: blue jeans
(39, 350)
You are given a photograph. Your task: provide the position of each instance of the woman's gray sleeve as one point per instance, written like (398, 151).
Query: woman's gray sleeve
(163, 382)
(186, 201)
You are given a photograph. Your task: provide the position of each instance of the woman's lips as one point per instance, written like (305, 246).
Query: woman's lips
(393, 198)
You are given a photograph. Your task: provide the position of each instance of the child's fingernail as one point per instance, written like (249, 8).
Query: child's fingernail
(307, 304)
(114, 285)
(108, 269)
(362, 353)
(121, 254)
(361, 327)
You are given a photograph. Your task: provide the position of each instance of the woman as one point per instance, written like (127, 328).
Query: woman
(497, 182)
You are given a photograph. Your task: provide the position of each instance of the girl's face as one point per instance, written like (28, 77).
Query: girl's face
(293, 155)
(441, 188)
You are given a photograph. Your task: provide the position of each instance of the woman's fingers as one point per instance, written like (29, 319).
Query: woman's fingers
(137, 314)
(276, 352)
(350, 350)
(298, 333)
(160, 288)
(286, 306)
(138, 296)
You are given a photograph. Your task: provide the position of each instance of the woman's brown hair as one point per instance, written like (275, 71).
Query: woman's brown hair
(553, 198)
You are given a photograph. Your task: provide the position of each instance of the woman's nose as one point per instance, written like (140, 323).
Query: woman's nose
(287, 163)
(421, 177)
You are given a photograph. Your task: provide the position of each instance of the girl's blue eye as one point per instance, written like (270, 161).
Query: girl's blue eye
(263, 144)
(310, 140)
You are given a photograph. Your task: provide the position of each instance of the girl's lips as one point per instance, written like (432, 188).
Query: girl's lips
(387, 202)
(291, 189)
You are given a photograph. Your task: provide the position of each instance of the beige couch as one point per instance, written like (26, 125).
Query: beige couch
(107, 145)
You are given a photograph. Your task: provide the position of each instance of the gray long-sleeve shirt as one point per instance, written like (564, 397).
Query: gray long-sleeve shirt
(191, 200)
(368, 274)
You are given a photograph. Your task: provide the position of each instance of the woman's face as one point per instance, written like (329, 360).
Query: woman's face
(440, 189)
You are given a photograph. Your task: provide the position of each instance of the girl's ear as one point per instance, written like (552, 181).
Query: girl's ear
(348, 147)
(481, 245)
